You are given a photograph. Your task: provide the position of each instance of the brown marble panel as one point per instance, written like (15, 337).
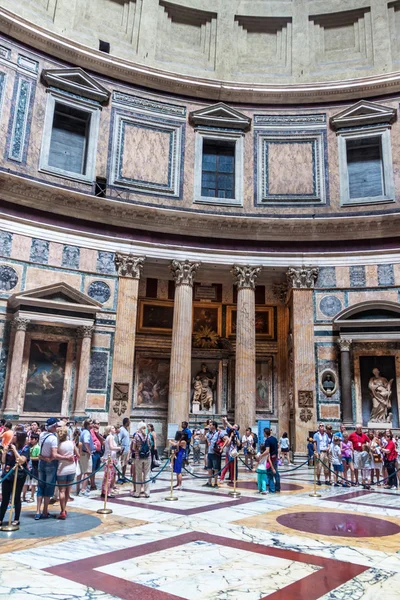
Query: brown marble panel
(290, 169)
(146, 154)
(329, 411)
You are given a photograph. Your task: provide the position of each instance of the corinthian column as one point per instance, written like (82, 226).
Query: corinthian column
(345, 381)
(129, 269)
(301, 282)
(181, 350)
(85, 334)
(19, 326)
(245, 372)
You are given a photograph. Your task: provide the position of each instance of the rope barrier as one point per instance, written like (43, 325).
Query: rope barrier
(129, 480)
(77, 482)
(349, 482)
(7, 474)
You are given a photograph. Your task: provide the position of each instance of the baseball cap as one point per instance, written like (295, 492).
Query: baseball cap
(53, 421)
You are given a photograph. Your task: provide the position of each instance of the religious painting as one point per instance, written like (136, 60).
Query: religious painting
(45, 379)
(264, 322)
(264, 385)
(155, 316)
(152, 382)
(207, 318)
(379, 392)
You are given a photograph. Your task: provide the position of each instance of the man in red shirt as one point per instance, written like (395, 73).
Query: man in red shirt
(358, 438)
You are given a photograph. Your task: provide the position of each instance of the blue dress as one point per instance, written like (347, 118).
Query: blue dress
(178, 462)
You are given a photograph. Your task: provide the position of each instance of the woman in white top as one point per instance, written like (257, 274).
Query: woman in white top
(285, 448)
(66, 469)
(110, 449)
(248, 447)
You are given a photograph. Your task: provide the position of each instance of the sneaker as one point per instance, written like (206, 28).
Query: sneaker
(319, 483)
(81, 493)
(86, 493)
(328, 483)
(53, 500)
(336, 484)
(62, 516)
(207, 484)
(393, 487)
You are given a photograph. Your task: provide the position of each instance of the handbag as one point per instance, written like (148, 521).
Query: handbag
(233, 453)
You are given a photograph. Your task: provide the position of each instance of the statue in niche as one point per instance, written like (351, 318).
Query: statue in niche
(203, 389)
(381, 391)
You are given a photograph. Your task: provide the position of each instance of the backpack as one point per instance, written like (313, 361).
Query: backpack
(218, 446)
(144, 451)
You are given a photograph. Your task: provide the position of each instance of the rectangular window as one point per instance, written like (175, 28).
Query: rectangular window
(365, 167)
(218, 169)
(69, 139)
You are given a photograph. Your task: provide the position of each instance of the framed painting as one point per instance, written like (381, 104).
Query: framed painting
(264, 385)
(152, 382)
(207, 316)
(155, 316)
(264, 322)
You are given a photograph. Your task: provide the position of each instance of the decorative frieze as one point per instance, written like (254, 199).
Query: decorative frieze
(245, 276)
(128, 265)
(302, 277)
(120, 398)
(184, 271)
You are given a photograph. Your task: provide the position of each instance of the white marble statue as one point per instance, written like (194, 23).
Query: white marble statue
(381, 391)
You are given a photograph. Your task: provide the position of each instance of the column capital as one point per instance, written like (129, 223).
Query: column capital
(20, 324)
(184, 271)
(245, 276)
(85, 331)
(128, 265)
(302, 277)
(344, 344)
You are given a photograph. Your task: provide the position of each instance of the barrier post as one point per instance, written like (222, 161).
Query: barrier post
(314, 494)
(171, 497)
(234, 493)
(105, 510)
(11, 527)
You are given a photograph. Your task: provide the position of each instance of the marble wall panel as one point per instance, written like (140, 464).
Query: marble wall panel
(162, 289)
(327, 353)
(326, 277)
(358, 276)
(36, 277)
(371, 276)
(96, 401)
(102, 290)
(6, 239)
(329, 411)
(385, 275)
(396, 273)
(20, 119)
(70, 257)
(98, 374)
(39, 251)
(355, 297)
(21, 247)
(342, 277)
(101, 340)
(88, 260)
(300, 158)
(146, 155)
(328, 305)
(105, 262)
(11, 278)
(55, 254)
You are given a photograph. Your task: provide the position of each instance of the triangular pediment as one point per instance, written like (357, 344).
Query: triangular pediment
(220, 115)
(76, 81)
(364, 113)
(55, 295)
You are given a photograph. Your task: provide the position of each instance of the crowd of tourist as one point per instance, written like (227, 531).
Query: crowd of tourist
(58, 455)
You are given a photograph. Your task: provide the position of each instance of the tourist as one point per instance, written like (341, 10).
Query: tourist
(310, 451)
(231, 440)
(321, 449)
(376, 472)
(153, 446)
(124, 441)
(85, 457)
(358, 438)
(336, 456)
(7, 435)
(341, 432)
(179, 447)
(215, 442)
(132, 458)
(2, 425)
(141, 444)
(197, 437)
(31, 480)
(98, 442)
(205, 440)
(390, 462)
(249, 449)
(185, 429)
(110, 458)
(284, 445)
(33, 429)
(347, 459)
(271, 449)
(262, 469)
(76, 439)
(366, 461)
(17, 454)
(66, 470)
(48, 464)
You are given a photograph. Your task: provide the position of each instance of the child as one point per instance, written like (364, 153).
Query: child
(179, 446)
(196, 446)
(336, 454)
(34, 451)
(366, 460)
(262, 466)
(310, 450)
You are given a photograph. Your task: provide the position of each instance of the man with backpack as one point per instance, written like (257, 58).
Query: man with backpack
(216, 442)
(141, 446)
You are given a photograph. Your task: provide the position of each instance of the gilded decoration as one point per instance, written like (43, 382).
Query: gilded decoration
(245, 276)
(184, 271)
(120, 399)
(207, 323)
(128, 265)
(264, 322)
(305, 398)
(155, 316)
(302, 277)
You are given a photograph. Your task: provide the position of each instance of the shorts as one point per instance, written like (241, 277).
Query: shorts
(357, 460)
(65, 479)
(338, 468)
(48, 476)
(124, 459)
(347, 459)
(214, 462)
(85, 463)
(284, 450)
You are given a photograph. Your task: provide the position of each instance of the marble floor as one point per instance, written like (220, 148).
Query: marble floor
(208, 545)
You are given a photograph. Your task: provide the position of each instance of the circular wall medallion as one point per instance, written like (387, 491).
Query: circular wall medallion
(338, 524)
(8, 278)
(330, 306)
(100, 291)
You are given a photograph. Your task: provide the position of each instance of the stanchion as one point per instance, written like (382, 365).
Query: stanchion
(11, 527)
(171, 497)
(314, 494)
(105, 510)
(234, 493)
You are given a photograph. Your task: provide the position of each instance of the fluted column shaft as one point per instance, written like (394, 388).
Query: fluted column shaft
(181, 350)
(85, 333)
(14, 383)
(129, 269)
(245, 371)
(345, 382)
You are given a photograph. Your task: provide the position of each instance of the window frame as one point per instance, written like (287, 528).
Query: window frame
(205, 135)
(383, 133)
(83, 105)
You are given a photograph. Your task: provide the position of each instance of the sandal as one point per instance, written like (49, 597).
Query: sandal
(14, 523)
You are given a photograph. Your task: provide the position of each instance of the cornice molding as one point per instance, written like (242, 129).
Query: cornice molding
(212, 89)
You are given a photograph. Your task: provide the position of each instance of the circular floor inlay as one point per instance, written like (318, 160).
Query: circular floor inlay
(338, 524)
(252, 485)
(29, 528)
